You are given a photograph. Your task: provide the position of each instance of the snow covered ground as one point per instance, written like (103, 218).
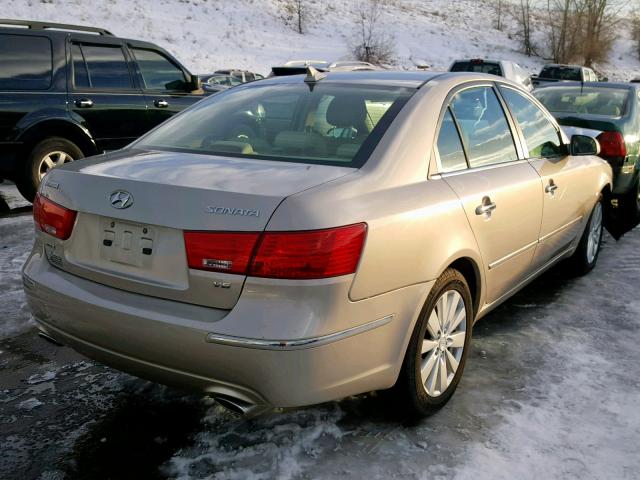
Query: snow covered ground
(212, 34)
(551, 390)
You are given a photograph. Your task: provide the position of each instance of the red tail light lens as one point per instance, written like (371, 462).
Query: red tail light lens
(612, 144)
(228, 252)
(309, 254)
(288, 255)
(52, 218)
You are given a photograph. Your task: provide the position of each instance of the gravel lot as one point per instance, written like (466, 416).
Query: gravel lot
(551, 390)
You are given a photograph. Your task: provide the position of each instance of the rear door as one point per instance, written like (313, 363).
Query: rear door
(165, 85)
(103, 93)
(562, 175)
(499, 192)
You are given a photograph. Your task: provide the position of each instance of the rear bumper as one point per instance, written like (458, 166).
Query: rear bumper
(194, 346)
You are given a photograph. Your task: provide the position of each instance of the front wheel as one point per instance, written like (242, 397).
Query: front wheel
(437, 352)
(586, 255)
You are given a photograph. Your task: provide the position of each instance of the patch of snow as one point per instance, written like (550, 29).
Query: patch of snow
(30, 404)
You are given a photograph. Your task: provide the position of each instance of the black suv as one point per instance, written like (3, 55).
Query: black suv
(67, 92)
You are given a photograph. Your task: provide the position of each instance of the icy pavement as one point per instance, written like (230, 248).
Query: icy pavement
(551, 390)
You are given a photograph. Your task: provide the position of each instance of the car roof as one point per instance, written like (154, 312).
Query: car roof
(372, 77)
(629, 86)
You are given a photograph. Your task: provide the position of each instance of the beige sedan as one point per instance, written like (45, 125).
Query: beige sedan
(301, 239)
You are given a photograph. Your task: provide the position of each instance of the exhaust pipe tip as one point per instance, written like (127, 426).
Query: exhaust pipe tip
(49, 339)
(241, 407)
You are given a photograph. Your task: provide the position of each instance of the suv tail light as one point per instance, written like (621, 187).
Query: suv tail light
(309, 254)
(612, 144)
(52, 218)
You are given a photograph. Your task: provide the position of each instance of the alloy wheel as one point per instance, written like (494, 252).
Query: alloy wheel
(595, 233)
(443, 344)
(52, 160)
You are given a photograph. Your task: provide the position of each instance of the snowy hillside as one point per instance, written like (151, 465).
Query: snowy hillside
(210, 34)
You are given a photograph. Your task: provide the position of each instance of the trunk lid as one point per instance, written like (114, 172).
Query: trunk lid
(140, 247)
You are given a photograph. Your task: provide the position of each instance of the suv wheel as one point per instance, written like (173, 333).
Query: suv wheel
(47, 154)
(439, 346)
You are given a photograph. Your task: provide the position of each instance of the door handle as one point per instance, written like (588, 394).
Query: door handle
(84, 103)
(161, 103)
(551, 188)
(486, 207)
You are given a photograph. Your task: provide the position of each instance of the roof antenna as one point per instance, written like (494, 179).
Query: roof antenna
(313, 75)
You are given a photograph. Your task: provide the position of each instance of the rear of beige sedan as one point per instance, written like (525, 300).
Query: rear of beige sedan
(288, 242)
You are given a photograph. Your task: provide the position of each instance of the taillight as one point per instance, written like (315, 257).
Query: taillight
(612, 144)
(52, 218)
(228, 252)
(288, 255)
(311, 254)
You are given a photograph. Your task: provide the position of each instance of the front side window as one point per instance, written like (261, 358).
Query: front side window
(483, 127)
(106, 67)
(327, 124)
(158, 72)
(541, 136)
(25, 62)
(450, 148)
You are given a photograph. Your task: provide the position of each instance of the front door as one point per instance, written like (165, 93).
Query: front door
(561, 176)
(499, 192)
(165, 85)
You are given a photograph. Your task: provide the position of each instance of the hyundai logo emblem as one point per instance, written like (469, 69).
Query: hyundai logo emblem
(121, 199)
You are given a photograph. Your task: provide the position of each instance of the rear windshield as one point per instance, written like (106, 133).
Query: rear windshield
(611, 102)
(331, 124)
(561, 73)
(477, 66)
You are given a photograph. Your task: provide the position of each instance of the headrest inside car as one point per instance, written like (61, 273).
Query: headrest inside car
(347, 112)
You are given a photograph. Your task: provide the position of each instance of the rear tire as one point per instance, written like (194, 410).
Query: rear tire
(438, 348)
(586, 255)
(45, 155)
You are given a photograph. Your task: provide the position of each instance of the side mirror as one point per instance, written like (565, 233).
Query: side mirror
(195, 83)
(583, 145)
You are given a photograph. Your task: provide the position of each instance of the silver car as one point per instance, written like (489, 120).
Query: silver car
(301, 239)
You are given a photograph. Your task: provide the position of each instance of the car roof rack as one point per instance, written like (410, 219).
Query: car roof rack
(33, 25)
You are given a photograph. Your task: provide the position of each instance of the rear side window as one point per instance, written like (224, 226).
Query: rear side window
(483, 126)
(107, 67)
(541, 136)
(80, 75)
(25, 62)
(158, 72)
(450, 148)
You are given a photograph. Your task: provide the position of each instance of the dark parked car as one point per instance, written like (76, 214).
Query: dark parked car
(554, 73)
(67, 92)
(609, 112)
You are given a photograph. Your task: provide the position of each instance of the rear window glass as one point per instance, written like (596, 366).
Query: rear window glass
(328, 124)
(561, 73)
(477, 66)
(25, 62)
(611, 102)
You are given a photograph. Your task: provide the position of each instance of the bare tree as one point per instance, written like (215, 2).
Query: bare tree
(565, 29)
(600, 21)
(523, 17)
(295, 14)
(371, 44)
(635, 31)
(499, 11)
(300, 12)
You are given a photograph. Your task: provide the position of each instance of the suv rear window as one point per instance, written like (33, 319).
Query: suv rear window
(561, 73)
(478, 66)
(330, 124)
(25, 62)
